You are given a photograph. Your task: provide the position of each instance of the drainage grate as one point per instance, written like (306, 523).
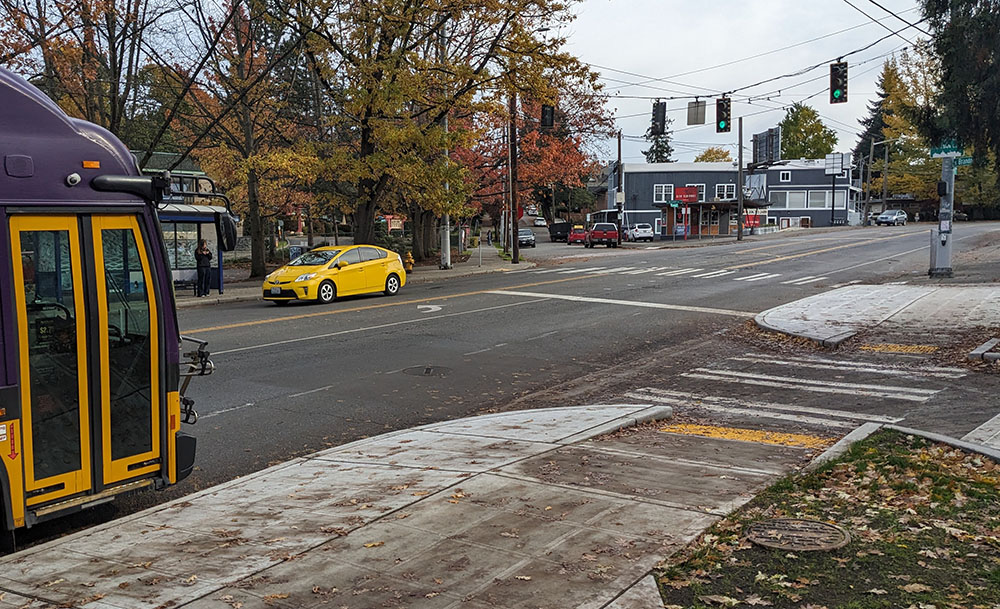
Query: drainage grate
(427, 371)
(796, 534)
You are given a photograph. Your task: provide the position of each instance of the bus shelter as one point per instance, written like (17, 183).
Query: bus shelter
(184, 226)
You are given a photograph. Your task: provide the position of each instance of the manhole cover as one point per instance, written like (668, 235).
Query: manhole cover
(796, 534)
(427, 371)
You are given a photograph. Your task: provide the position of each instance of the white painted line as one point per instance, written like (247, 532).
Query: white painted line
(850, 367)
(478, 352)
(766, 276)
(649, 270)
(726, 401)
(762, 383)
(958, 372)
(713, 274)
(747, 412)
(541, 336)
(748, 277)
(224, 411)
(542, 272)
(295, 395)
(586, 270)
(678, 272)
(618, 269)
(368, 328)
(792, 379)
(806, 278)
(627, 303)
(987, 434)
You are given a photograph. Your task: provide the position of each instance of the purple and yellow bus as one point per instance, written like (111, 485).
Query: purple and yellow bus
(91, 367)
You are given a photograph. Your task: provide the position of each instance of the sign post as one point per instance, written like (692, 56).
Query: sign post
(834, 167)
(949, 153)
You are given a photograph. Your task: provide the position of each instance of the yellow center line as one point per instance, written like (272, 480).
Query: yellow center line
(758, 436)
(396, 303)
(813, 252)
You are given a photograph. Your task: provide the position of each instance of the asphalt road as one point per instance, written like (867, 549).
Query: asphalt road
(635, 324)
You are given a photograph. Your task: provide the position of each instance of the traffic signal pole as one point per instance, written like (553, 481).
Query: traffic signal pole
(941, 247)
(512, 146)
(739, 186)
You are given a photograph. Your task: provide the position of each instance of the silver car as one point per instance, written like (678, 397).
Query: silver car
(895, 217)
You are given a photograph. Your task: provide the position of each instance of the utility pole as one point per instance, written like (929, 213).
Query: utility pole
(739, 186)
(868, 182)
(885, 176)
(621, 188)
(446, 228)
(833, 198)
(512, 146)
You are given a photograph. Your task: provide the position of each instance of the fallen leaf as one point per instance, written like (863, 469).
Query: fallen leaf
(523, 577)
(915, 588)
(433, 594)
(878, 591)
(421, 493)
(274, 596)
(718, 599)
(374, 544)
(754, 599)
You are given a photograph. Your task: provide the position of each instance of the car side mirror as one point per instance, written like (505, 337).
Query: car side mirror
(342, 263)
(225, 230)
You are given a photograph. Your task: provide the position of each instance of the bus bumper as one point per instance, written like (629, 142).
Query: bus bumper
(185, 446)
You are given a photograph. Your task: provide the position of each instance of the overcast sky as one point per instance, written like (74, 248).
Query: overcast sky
(633, 41)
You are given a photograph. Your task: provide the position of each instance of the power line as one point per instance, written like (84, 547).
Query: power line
(896, 15)
(855, 7)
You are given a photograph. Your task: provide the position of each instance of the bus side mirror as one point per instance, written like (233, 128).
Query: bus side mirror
(225, 228)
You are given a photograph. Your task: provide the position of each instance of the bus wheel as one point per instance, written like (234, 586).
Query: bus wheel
(327, 292)
(7, 544)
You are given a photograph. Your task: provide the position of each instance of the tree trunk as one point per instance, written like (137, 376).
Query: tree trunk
(257, 268)
(429, 222)
(417, 232)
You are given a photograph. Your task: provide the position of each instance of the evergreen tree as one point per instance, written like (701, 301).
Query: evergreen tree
(803, 134)
(659, 146)
(875, 123)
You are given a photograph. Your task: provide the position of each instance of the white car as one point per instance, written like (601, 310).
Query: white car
(540, 221)
(893, 216)
(640, 232)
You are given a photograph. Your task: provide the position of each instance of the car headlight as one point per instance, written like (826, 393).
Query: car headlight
(305, 277)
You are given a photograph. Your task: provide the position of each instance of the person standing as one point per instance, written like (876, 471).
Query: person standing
(203, 257)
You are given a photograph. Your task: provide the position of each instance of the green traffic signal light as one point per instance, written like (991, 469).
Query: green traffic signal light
(837, 93)
(722, 124)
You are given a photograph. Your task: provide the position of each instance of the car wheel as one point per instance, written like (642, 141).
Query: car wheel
(327, 292)
(391, 285)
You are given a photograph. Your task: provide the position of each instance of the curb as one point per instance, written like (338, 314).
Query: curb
(868, 429)
(831, 342)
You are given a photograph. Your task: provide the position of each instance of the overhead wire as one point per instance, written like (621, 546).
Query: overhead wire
(857, 8)
(896, 15)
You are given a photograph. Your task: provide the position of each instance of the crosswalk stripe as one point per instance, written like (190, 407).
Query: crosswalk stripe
(792, 379)
(542, 272)
(618, 269)
(825, 364)
(765, 276)
(678, 272)
(586, 270)
(814, 388)
(713, 274)
(798, 279)
(806, 280)
(649, 270)
(748, 412)
(683, 397)
(749, 277)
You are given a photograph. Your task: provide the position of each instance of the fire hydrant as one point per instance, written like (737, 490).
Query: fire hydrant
(408, 262)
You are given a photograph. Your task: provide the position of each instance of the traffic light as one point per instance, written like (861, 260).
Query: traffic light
(548, 116)
(838, 82)
(659, 125)
(722, 115)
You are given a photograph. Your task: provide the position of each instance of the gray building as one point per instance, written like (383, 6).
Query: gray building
(797, 193)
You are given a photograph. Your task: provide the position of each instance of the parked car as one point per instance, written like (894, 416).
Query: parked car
(640, 232)
(559, 231)
(960, 216)
(540, 221)
(577, 235)
(602, 232)
(872, 216)
(525, 237)
(892, 216)
(325, 273)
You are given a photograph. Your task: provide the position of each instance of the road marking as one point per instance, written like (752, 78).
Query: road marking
(615, 270)
(225, 410)
(480, 351)
(627, 303)
(805, 280)
(541, 336)
(819, 251)
(748, 277)
(377, 327)
(296, 395)
(726, 404)
(395, 303)
(822, 364)
(765, 276)
(894, 348)
(987, 434)
(678, 272)
(713, 274)
(542, 272)
(649, 270)
(750, 435)
(428, 308)
(729, 376)
(587, 270)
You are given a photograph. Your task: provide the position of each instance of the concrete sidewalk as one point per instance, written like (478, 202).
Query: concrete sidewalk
(835, 316)
(527, 509)
(251, 290)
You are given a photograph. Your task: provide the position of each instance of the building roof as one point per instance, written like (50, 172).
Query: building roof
(676, 167)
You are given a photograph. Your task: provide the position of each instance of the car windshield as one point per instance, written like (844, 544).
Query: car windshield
(525, 231)
(314, 258)
(643, 226)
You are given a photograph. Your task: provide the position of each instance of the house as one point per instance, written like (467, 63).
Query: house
(800, 194)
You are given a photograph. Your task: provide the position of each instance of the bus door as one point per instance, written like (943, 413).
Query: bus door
(88, 353)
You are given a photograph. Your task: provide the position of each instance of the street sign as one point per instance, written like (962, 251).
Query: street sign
(619, 197)
(836, 163)
(767, 146)
(946, 149)
(686, 194)
(696, 113)
(963, 160)
(674, 203)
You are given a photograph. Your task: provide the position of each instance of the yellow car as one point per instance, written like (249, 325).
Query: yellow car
(325, 273)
